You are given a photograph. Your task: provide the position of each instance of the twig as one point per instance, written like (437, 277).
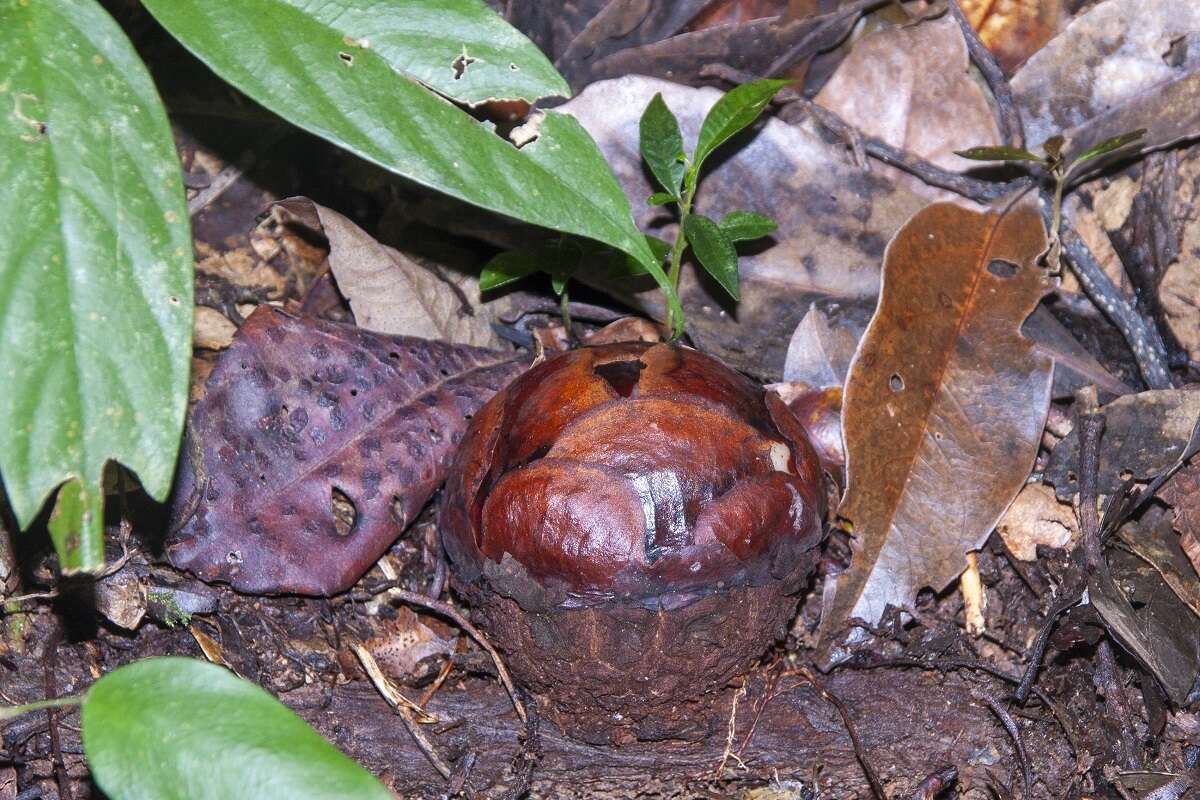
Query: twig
(1009, 119)
(935, 784)
(528, 754)
(730, 732)
(50, 664)
(1091, 428)
(859, 751)
(1143, 339)
(449, 611)
(23, 598)
(1010, 725)
(963, 185)
(1038, 651)
(404, 708)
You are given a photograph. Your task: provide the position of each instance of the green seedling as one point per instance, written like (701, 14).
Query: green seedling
(1060, 170)
(711, 242)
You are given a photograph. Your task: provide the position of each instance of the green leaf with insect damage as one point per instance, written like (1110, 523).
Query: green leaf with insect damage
(95, 271)
(373, 105)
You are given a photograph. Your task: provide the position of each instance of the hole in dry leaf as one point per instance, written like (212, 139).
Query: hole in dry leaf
(1177, 54)
(460, 65)
(1071, 476)
(1002, 269)
(354, 392)
(896, 383)
(346, 58)
(622, 376)
(345, 514)
(394, 355)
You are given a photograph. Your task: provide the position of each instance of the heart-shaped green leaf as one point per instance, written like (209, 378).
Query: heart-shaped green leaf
(181, 729)
(95, 270)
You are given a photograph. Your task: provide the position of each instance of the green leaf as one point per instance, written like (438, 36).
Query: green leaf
(375, 109)
(661, 199)
(713, 250)
(736, 109)
(1109, 145)
(508, 268)
(998, 153)
(181, 729)
(661, 144)
(558, 282)
(95, 270)
(744, 226)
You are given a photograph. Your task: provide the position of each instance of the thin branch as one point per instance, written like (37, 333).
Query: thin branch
(1008, 118)
(406, 709)
(860, 752)
(445, 609)
(1142, 337)
(1014, 732)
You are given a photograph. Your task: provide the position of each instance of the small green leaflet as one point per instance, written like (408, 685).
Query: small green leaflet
(661, 199)
(998, 153)
(736, 109)
(1109, 146)
(508, 268)
(713, 250)
(182, 729)
(95, 271)
(745, 226)
(661, 144)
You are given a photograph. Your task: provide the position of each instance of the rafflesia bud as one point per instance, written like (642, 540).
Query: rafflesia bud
(631, 523)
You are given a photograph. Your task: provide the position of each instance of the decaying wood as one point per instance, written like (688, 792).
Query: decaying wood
(911, 724)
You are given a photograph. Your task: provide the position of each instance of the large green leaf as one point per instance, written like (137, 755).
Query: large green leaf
(181, 729)
(95, 269)
(458, 47)
(374, 107)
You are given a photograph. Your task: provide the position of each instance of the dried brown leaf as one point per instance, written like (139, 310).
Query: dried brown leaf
(391, 292)
(944, 405)
(1013, 29)
(1037, 517)
(313, 447)
(1143, 435)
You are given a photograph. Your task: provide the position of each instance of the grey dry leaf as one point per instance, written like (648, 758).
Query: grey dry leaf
(392, 293)
(1114, 69)
(911, 87)
(819, 353)
(1037, 517)
(834, 220)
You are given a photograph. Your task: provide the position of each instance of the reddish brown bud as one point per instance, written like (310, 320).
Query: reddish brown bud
(631, 522)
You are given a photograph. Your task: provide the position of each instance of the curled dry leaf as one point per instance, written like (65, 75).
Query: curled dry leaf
(1037, 517)
(391, 292)
(911, 87)
(211, 330)
(1115, 69)
(834, 220)
(944, 405)
(314, 446)
(1143, 435)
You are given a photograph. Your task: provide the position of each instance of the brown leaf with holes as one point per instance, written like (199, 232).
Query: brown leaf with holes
(944, 404)
(314, 445)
